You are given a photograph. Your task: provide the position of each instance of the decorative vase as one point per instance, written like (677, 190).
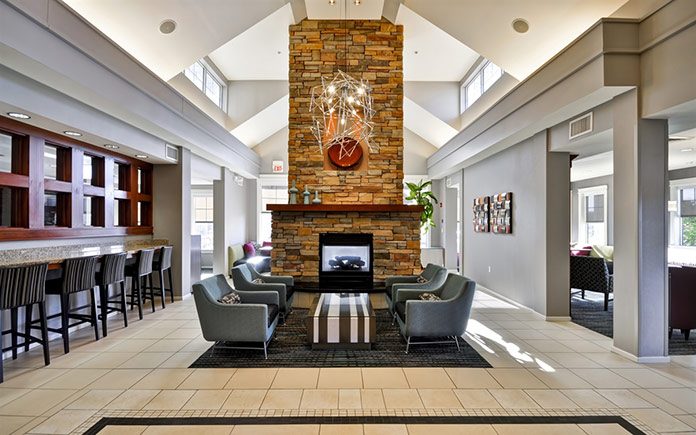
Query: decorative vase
(316, 199)
(293, 193)
(306, 195)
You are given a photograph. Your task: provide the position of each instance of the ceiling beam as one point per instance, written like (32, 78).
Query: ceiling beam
(391, 9)
(299, 10)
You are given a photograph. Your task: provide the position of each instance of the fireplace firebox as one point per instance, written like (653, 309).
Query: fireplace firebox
(345, 261)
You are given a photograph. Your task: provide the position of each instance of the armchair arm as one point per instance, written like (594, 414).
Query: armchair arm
(432, 318)
(423, 287)
(266, 297)
(407, 294)
(268, 287)
(287, 280)
(391, 280)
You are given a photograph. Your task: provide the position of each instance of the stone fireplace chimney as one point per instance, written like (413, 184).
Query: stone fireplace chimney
(368, 198)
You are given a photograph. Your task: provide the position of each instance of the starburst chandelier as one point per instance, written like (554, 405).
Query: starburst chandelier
(342, 111)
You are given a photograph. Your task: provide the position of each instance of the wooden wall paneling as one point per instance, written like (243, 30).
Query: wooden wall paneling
(108, 192)
(77, 181)
(133, 188)
(36, 183)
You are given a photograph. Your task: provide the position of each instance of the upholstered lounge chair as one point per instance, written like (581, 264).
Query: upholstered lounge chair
(229, 325)
(591, 273)
(243, 277)
(435, 275)
(444, 318)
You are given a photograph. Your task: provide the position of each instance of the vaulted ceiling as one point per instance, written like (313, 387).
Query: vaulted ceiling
(247, 40)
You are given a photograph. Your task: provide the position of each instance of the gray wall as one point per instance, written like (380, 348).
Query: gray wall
(517, 261)
(608, 181)
(272, 148)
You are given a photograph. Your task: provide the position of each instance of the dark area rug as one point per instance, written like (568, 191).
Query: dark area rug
(289, 348)
(589, 312)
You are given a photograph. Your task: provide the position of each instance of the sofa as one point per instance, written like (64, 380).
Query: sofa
(591, 274)
(444, 318)
(682, 299)
(246, 254)
(239, 326)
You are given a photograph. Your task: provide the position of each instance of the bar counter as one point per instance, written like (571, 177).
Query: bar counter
(54, 255)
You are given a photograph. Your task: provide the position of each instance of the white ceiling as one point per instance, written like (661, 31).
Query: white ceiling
(261, 52)
(485, 26)
(322, 10)
(426, 125)
(202, 26)
(431, 54)
(262, 125)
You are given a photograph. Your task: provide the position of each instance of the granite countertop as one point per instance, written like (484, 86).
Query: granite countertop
(56, 254)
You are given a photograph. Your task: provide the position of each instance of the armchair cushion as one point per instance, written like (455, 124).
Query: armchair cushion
(249, 250)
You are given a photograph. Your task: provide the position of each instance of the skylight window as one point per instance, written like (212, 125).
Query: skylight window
(200, 75)
(479, 83)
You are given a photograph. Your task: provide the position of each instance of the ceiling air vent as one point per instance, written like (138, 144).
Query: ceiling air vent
(171, 152)
(580, 126)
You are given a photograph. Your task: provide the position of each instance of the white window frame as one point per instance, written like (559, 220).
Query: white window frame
(202, 193)
(209, 74)
(464, 102)
(675, 225)
(582, 194)
(268, 180)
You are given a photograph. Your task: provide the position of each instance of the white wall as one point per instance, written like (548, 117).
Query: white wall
(515, 265)
(273, 148)
(439, 98)
(416, 153)
(246, 98)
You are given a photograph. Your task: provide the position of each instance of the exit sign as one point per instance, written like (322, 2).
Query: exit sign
(278, 166)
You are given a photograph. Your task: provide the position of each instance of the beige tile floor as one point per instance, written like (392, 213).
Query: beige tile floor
(539, 368)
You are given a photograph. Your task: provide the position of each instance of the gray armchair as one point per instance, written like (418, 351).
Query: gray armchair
(252, 321)
(447, 317)
(435, 275)
(243, 275)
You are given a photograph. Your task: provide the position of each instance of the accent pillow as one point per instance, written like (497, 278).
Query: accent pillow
(231, 298)
(429, 297)
(249, 250)
(421, 279)
(257, 281)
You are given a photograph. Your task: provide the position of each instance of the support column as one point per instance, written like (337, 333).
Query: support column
(640, 232)
(557, 235)
(172, 216)
(223, 208)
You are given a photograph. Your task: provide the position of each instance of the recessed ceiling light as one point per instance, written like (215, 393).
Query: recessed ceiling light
(141, 156)
(111, 146)
(415, 52)
(18, 115)
(72, 133)
(167, 26)
(520, 25)
(686, 150)
(332, 2)
(356, 2)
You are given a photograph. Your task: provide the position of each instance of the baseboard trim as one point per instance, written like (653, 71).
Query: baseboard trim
(519, 305)
(641, 359)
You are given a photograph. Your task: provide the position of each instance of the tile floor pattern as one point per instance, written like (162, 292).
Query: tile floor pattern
(539, 368)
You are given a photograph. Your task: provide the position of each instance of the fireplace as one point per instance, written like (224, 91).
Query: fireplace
(345, 261)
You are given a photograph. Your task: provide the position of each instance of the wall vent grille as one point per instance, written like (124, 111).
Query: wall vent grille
(580, 126)
(171, 152)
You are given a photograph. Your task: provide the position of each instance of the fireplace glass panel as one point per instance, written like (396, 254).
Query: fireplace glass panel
(340, 258)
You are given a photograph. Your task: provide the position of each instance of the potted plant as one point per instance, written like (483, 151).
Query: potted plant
(420, 192)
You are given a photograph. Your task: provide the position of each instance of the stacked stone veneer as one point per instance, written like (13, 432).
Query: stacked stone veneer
(374, 53)
(396, 241)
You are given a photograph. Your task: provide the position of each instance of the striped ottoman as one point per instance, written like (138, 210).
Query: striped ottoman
(341, 321)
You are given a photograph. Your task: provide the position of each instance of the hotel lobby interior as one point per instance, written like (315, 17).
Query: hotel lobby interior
(348, 217)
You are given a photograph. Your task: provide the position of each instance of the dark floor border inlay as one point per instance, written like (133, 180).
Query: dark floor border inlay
(199, 421)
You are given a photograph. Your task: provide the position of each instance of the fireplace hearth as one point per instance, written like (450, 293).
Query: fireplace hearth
(345, 261)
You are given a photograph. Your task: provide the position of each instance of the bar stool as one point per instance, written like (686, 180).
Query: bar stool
(113, 271)
(164, 262)
(78, 276)
(140, 272)
(24, 286)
